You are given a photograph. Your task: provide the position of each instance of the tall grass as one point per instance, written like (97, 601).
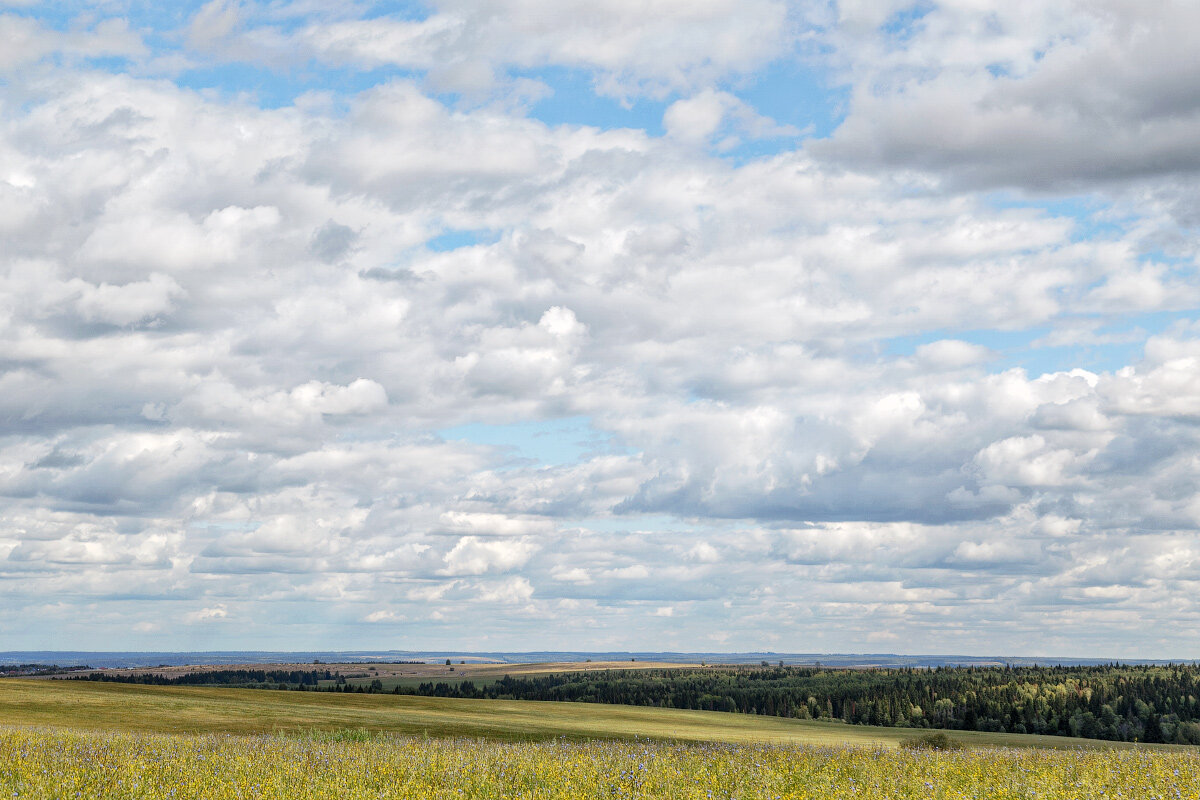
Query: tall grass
(357, 764)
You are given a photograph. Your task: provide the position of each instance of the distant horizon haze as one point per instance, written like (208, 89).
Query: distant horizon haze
(116, 659)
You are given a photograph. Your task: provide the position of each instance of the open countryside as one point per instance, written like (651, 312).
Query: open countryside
(121, 707)
(45, 764)
(600, 399)
(126, 741)
(1131, 703)
(389, 674)
(107, 739)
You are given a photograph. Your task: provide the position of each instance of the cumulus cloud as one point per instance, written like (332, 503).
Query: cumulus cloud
(472, 556)
(122, 305)
(207, 614)
(24, 41)
(247, 352)
(1047, 95)
(512, 591)
(952, 354)
(631, 48)
(698, 119)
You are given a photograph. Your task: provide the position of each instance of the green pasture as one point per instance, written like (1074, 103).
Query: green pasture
(123, 707)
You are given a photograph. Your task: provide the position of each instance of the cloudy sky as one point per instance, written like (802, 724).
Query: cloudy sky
(842, 325)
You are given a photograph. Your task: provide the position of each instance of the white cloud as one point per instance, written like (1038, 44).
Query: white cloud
(705, 553)
(474, 556)
(215, 20)
(952, 354)
(123, 305)
(24, 40)
(633, 48)
(207, 614)
(1025, 460)
(488, 524)
(561, 322)
(363, 396)
(696, 120)
(232, 348)
(1050, 95)
(513, 591)
(573, 575)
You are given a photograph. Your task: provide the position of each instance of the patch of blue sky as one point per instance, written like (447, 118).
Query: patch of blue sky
(162, 26)
(1091, 214)
(997, 340)
(143, 15)
(788, 91)
(454, 239)
(1097, 358)
(108, 63)
(1180, 263)
(904, 24)
(404, 9)
(278, 88)
(792, 92)
(1114, 343)
(555, 442)
(758, 149)
(1011, 348)
(151, 15)
(573, 101)
(55, 15)
(1095, 219)
(1150, 324)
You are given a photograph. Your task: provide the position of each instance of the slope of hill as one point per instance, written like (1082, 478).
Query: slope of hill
(122, 707)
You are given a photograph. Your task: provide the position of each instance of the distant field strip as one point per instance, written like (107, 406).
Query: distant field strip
(99, 766)
(1114, 702)
(122, 707)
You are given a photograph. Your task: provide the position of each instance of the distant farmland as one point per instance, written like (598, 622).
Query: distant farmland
(1128, 703)
(85, 705)
(112, 740)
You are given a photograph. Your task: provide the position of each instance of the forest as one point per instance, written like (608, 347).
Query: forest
(1132, 703)
(1116, 702)
(241, 678)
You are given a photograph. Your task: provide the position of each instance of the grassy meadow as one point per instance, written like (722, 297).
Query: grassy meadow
(50, 764)
(64, 739)
(190, 709)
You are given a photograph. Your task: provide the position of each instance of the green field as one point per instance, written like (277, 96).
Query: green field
(40, 764)
(112, 741)
(123, 707)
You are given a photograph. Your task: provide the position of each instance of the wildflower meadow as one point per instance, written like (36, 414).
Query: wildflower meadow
(45, 763)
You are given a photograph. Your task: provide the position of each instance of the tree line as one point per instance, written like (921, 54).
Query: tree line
(246, 678)
(1132, 703)
(27, 670)
(1114, 702)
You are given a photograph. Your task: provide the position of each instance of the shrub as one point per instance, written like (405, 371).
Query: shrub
(934, 740)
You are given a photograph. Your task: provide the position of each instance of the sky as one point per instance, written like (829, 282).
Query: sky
(695, 325)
